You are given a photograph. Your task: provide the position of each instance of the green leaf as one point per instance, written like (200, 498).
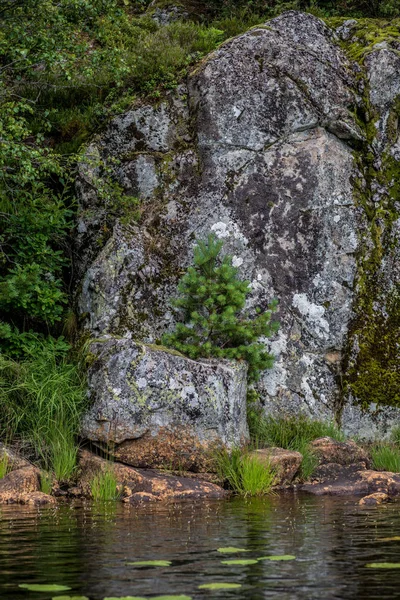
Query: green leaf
(150, 563)
(125, 598)
(249, 561)
(70, 598)
(231, 550)
(45, 587)
(278, 557)
(169, 597)
(220, 586)
(383, 565)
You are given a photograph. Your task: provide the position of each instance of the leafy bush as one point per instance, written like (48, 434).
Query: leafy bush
(386, 457)
(245, 474)
(211, 298)
(42, 398)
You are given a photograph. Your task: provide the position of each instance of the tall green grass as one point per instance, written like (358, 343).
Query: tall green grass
(386, 457)
(245, 474)
(104, 486)
(291, 433)
(42, 398)
(4, 466)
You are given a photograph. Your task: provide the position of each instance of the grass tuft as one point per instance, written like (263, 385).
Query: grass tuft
(245, 474)
(104, 486)
(4, 466)
(385, 457)
(42, 398)
(292, 433)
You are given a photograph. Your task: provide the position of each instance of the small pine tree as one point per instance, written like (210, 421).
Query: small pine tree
(211, 299)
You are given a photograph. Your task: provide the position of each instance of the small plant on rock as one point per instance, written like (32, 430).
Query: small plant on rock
(211, 300)
(104, 486)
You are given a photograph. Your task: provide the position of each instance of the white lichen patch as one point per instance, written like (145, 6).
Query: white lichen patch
(313, 313)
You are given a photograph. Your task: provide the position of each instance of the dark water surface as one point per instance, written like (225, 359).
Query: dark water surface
(87, 547)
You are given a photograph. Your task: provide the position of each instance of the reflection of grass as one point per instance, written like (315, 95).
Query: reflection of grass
(385, 457)
(104, 486)
(291, 433)
(245, 474)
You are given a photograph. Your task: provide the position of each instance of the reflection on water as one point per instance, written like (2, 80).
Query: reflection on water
(87, 547)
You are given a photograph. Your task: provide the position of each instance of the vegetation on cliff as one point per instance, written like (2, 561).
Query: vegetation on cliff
(210, 302)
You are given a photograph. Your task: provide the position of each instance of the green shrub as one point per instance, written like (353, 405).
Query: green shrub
(210, 303)
(245, 474)
(104, 486)
(386, 457)
(42, 398)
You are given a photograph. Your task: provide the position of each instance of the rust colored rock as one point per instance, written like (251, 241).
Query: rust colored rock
(175, 449)
(331, 451)
(349, 481)
(37, 499)
(19, 483)
(147, 482)
(374, 499)
(286, 463)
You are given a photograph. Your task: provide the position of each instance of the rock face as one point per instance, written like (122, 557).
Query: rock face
(266, 147)
(162, 409)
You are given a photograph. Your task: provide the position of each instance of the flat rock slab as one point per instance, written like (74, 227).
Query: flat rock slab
(139, 485)
(285, 462)
(161, 409)
(351, 482)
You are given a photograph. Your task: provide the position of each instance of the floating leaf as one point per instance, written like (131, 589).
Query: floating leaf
(249, 561)
(125, 598)
(281, 557)
(45, 587)
(150, 563)
(181, 597)
(395, 538)
(231, 550)
(70, 598)
(220, 586)
(383, 565)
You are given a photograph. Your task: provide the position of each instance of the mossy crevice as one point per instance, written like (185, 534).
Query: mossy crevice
(371, 364)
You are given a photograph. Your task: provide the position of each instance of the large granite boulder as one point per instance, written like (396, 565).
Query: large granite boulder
(274, 145)
(160, 409)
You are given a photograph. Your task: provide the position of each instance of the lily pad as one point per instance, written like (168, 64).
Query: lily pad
(220, 586)
(383, 565)
(249, 561)
(70, 598)
(44, 587)
(231, 550)
(280, 557)
(181, 597)
(150, 563)
(125, 598)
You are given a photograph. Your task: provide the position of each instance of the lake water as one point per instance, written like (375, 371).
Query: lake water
(87, 548)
